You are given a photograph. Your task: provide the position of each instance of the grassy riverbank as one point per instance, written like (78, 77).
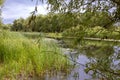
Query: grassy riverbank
(21, 57)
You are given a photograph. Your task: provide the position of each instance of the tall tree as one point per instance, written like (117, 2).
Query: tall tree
(112, 7)
(18, 25)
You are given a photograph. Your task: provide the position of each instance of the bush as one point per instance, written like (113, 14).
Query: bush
(96, 32)
(78, 31)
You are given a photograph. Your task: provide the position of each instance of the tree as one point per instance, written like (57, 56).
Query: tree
(112, 7)
(95, 19)
(6, 26)
(18, 25)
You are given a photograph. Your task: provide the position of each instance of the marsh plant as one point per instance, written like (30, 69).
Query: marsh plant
(21, 57)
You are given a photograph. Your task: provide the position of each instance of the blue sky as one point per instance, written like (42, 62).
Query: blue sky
(14, 9)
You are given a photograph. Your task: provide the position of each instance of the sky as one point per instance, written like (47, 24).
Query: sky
(14, 9)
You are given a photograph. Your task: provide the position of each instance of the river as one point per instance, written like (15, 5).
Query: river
(79, 60)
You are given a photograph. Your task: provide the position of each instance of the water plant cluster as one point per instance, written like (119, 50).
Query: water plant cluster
(21, 57)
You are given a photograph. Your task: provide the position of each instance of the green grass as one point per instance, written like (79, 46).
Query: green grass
(32, 35)
(22, 56)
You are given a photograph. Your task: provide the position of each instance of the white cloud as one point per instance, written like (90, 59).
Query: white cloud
(16, 10)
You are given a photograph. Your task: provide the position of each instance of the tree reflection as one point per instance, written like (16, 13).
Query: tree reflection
(104, 61)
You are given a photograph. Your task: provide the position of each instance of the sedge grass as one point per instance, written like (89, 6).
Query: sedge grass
(19, 56)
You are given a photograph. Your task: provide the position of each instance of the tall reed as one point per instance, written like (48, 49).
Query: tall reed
(20, 56)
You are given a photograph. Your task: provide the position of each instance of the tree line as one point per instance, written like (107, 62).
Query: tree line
(58, 22)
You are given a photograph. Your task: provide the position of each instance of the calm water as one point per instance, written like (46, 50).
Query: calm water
(77, 72)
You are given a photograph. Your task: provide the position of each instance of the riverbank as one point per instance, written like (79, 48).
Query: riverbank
(22, 58)
(83, 53)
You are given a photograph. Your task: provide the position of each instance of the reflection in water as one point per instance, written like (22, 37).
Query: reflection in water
(116, 58)
(107, 65)
(77, 73)
(101, 62)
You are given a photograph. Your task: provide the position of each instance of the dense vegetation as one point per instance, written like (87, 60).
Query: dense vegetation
(76, 19)
(95, 32)
(71, 24)
(85, 6)
(21, 57)
(60, 22)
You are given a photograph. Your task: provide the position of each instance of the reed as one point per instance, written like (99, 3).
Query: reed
(20, 56)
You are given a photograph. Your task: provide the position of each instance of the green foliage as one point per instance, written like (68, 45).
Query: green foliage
(95, 32)
(78, 31)
(32, 35)
(92, 19)
(1, 2)
(59, 22)
(53, 35)
(6, 26)
(53, 22)
(22, 56)
(45, 23)
(18, 25)
(102, 62)
(86, 5)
